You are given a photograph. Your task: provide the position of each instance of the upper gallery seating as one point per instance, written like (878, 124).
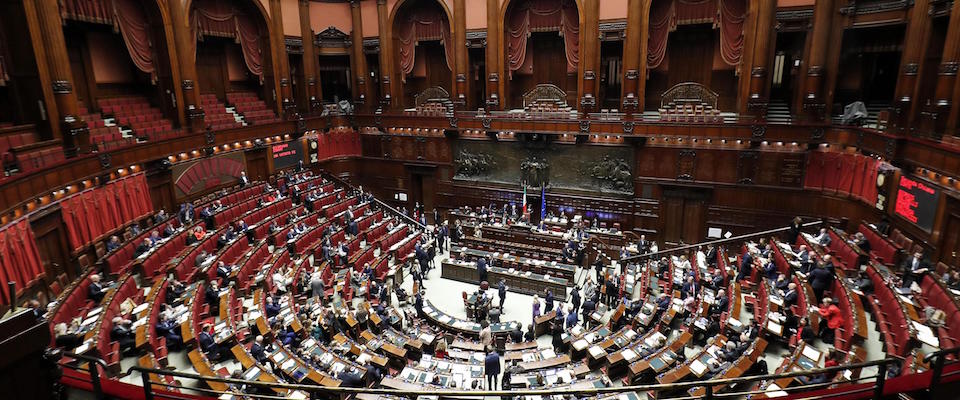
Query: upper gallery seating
(103, 136)
(20, 150)
(136, 113)
(254, 110)
(217, 117)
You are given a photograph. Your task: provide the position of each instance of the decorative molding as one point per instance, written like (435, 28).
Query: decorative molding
(788, 15)
(294, 45)
(632, 74)
(815, 70)
(855, 8)
(817, 134)
(757, 132)
(332, 38)
(589, 75)
(486, 122)
(949, 68)
(911, 69)
(493, 77)
(758, 72)
(461, 78)
(210, 137)
(686, 165)
(104, 159)
(585, 126)
(453, 121)
(187, 84)
(588, 101)
(613, 26)
(62, 87)
(628, 127)
(284, 82)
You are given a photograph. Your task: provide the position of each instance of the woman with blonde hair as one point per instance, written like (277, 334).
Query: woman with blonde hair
(440, 351)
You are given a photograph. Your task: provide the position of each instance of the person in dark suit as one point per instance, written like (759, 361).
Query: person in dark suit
(212, 296)
(790, 296)
(482, 269)
(803, 256)
(95, 291)
(207, 344)
(746, 266)
(516, 335)
(271, 308)
(575, 298)
(167, 328)
(258, 351)
(244, 181)
(167, 231)
(548, 302)
(913, 268)
(720, 305)
(502, 292)
(820, 280)
(794, 233)
(491, 368)
(122, 333)
(143, 247)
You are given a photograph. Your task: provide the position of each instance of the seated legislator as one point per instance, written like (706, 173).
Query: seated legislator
(95, 291)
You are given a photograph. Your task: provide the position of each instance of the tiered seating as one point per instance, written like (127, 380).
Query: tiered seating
(217, 117)
(136, 113)
(882, 248)
(19, 149)
(892, 321)
(254, 110)
(933, 294)
(843, 252)
(103, 136)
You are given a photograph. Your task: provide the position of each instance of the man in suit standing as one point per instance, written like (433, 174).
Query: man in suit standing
(790, 296)
(913, 268)
(491, 368)
(244, 181)
(482, 269)
(502, 292)
(820, 280)
(746, 266)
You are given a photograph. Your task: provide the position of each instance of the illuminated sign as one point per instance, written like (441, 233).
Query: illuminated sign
(287, 154)
(917, 202)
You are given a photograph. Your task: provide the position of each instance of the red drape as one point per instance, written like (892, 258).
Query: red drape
(848, 168)
(19, 258)
(221, 18)
(869, 191)
(421, 25)
(814, 174)
(831, 171)
(732, 14)
(859, 171)
(136, 34)
(727, 15)
(127, 17)
(94, 212)
(543, 16)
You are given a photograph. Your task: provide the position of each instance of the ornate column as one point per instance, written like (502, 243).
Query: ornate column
(914, 44)
(461, 83)
(282, 66)
(310, 59)
(813, 99)
(635, 56)
(495, 69)
(70, 124)
(589, 55)
(759, 95)
(362, 93)
(186, 55)
(945, 111)
(386, 54)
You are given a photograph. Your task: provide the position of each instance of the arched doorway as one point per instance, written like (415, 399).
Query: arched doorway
(424, 48)
(234, 63)
(538, 35)
(695, 41)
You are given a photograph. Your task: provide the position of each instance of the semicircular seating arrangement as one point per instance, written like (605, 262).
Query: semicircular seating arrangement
(306, 280)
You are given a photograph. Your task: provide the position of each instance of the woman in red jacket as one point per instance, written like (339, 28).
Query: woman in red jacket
(834, 318)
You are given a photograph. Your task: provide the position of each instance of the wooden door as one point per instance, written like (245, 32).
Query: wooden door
(694, 211)
(672, 219)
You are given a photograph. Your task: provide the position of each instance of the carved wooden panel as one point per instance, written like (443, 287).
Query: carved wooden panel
(687, 165)
(747, 167)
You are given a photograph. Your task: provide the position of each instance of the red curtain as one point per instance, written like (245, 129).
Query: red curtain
(136, 34)
(127, 17)
(831, 171)
(221, 18)
(814, 173)
(859, 171)
(422, 25)
(662, 21)
(94, 212)
(96, 11)
(727, 15)
(732, 14)
(19, 258)
(869, 191)
(848, 168)
(543, 16)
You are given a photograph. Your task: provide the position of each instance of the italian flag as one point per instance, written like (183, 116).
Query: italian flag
(524, 212)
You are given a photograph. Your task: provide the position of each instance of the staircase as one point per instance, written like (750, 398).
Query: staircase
(137, 118)
(253, 110)
(104, 133)
(217, 116)
(778, 112)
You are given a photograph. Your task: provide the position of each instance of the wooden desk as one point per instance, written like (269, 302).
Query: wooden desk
(532, 284)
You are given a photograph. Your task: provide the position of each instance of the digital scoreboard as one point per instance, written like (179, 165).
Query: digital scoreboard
(917, 202)
(287, 154)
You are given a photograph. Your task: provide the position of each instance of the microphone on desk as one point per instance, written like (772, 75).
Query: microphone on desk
(12, 288)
